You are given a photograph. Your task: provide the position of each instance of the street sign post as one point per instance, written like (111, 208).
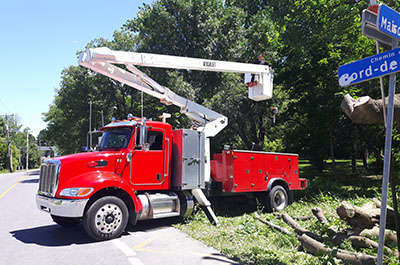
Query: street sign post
(369, 68)
(384, 27)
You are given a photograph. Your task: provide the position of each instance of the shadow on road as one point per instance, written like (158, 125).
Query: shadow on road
(155, 224)
(52, 236)
(220, 258)
(27, 181)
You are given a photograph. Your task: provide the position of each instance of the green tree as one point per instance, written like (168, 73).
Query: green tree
(213, 30)
(33, 154)
(316, 38)
(7, 133)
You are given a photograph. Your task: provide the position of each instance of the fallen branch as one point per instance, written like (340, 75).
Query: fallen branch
(315, 247)
(303, 218)
(319, 214)
(308, 241)
(274, 226)
(298, 228)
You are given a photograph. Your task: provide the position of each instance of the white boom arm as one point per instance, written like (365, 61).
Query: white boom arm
(103, 60)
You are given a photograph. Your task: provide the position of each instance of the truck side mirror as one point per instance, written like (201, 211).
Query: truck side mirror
(141, 138)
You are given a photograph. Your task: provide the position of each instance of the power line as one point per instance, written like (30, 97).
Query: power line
(7, 110)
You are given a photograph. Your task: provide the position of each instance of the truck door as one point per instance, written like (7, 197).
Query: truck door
(148, 163)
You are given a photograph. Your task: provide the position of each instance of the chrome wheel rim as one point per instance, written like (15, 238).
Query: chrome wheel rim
(108, 218)
(279, 200)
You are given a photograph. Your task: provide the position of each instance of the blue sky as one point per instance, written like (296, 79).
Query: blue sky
(39, 39)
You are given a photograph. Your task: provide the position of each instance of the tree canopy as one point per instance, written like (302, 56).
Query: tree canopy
(18, 145)
(305, 41)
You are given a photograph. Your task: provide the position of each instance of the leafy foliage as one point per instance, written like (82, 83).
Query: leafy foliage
(305, 41)
(17, 146)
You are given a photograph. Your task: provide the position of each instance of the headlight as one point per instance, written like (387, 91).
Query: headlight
(76, 192)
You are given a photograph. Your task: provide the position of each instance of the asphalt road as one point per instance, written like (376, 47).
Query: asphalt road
(29, 236)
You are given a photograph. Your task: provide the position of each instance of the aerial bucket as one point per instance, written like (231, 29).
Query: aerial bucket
(261, 87)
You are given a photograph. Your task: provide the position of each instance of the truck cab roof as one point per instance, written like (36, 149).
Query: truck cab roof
(136, 121)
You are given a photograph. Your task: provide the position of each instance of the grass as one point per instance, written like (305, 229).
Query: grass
(249, 241)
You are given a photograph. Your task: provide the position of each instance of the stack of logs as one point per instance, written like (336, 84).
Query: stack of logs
(364, 222)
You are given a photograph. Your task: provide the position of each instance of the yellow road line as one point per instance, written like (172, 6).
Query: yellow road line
(143, 244)
(4, 193)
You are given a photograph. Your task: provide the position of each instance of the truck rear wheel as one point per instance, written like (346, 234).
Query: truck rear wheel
(66, 221)
(106, 218)
(277, 199)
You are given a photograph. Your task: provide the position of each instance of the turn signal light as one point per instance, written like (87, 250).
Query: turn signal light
(76, 192)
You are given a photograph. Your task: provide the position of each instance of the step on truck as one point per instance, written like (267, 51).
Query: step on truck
(144, 169)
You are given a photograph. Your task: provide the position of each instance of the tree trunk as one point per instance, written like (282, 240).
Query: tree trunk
(366, 110)
(331, 143)
(353, 163)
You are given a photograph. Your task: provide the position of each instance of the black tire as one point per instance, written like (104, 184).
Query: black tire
(106, 218)
(66, 221)
(277, 199)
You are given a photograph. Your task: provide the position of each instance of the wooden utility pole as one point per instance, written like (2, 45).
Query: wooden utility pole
(9, 146)
(27, 150)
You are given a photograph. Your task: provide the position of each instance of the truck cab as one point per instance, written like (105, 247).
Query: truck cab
(130, 174)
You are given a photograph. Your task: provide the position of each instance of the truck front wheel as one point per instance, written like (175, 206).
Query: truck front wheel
(277, 199)
(106, 218)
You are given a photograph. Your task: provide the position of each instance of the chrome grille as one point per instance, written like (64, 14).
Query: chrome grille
(48, 182)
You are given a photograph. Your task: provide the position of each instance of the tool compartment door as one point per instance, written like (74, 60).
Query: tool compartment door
(188, 159)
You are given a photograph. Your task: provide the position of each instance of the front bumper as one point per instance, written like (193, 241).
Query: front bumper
(61, 207)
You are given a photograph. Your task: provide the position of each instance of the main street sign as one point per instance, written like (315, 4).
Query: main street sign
(388, 21)
(371, 67)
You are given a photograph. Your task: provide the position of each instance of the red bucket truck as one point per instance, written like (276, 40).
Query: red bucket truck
(144, 169)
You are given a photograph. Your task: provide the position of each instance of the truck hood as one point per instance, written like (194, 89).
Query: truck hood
(76, 165)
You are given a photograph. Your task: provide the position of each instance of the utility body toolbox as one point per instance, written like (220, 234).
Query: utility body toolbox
(250, 171)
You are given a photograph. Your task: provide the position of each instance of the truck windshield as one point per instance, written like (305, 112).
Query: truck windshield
(116, 138)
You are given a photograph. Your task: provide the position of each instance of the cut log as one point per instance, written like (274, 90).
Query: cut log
(390, 219)
(345, 210)
(377, 202)
(308, 241)
(390, 236)
(358, 217)
(364, 242)
(315, 247)
(366, 110)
